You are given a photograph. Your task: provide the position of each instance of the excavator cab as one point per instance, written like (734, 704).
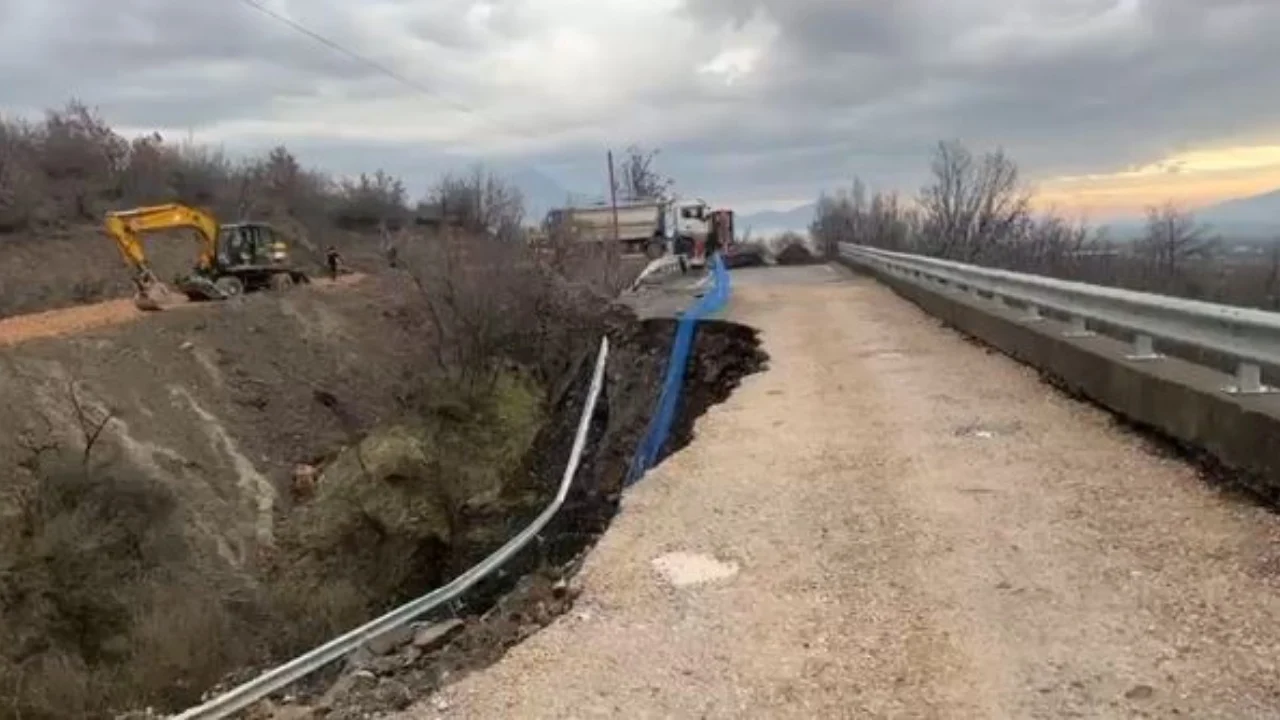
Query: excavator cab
(244, 246)
(246, 257)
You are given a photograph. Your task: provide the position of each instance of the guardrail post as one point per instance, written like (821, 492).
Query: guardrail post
(1033, 314)
(1079, 329)
(1143, 349)
(1249, 381)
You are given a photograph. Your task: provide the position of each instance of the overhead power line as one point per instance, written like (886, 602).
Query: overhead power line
(358, 57)
(369, 62)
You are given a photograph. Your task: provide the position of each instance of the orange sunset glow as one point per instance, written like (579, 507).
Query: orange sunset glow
(1192, 179)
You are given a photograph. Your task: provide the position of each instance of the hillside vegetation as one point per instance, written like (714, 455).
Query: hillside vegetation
(59, 176)
(218, 487)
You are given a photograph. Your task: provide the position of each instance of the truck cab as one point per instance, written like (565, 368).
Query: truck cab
(701, 231)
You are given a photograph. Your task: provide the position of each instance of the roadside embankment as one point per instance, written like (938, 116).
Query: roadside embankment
(202, 493)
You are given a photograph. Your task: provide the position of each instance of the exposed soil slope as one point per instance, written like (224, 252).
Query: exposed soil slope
(154, 520)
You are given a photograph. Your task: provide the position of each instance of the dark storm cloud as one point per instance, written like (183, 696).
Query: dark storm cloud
(837, 87)
(169, 63)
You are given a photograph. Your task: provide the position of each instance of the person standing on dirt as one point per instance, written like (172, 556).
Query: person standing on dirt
(389, 249)
(333, 259)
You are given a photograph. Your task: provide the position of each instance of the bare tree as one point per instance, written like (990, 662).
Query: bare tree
(82, 158)
(1052, 245)
(90, 427)
(1272, 283)
(973, 204)
(480, 202)
(371, 201)
(21, 182)
(847, 216)
(1172, 238)
(638, 179)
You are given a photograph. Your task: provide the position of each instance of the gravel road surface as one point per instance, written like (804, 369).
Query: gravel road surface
(894, 522)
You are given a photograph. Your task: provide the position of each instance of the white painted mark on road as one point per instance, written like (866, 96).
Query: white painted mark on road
(685, 569)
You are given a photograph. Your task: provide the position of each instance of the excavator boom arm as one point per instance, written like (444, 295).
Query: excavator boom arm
(125, 226)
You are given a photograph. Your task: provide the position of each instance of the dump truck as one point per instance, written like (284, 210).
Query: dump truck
(652, 227)
(640, 225)
(233, 259)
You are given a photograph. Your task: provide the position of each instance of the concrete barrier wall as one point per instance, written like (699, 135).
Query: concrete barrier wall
(1178, 399)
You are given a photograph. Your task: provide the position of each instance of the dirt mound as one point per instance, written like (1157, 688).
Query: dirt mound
(796, 254)
(745, 255)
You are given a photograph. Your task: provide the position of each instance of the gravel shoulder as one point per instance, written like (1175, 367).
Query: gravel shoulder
(894, 522)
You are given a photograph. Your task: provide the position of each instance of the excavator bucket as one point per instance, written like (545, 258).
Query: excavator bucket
(155, 297)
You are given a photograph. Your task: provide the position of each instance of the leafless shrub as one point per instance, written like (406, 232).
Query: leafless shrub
(1172, 239)
(73, 576)
(973, 206)
(82, 158)
(370, 201)
(1271, 285)
(562, 248)
(21, 182)
(480, 203)
(104, 607)
(848, 216)
(71, 167)
(976, 210)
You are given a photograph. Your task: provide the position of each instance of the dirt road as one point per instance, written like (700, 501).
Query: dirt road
(81, 318)
(892, 522)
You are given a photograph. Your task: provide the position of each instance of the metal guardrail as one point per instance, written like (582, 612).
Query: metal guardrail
(280, 677)
(1250, 337)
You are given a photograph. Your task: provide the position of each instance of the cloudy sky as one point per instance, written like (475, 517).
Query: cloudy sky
(1107, 104)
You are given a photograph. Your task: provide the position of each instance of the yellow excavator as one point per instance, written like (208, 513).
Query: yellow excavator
(234, 259)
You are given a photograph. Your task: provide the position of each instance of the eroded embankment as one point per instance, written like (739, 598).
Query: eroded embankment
(146, 468)
(222, 487)
(529, 592)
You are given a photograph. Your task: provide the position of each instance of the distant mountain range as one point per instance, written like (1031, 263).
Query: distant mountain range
(1251, 217)
(541, 192)
(1248, 219)
(770, 222)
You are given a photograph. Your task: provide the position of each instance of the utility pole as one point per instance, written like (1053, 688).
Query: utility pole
(613, 199)
(615, 250)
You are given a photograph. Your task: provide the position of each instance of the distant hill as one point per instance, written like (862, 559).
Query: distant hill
(1261, 209)
(1256, 217)
(541, 192)
(775, 221)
